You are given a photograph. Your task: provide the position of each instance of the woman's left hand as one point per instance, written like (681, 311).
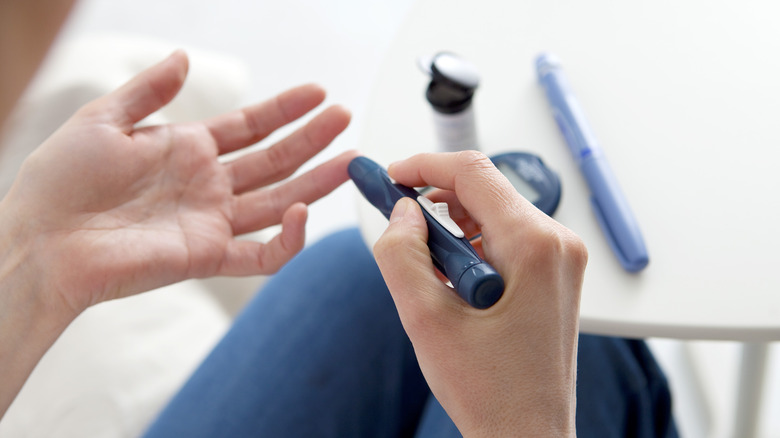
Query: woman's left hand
(104, 210)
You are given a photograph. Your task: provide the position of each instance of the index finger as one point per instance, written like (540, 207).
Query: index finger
(480, 187)
(247, 126)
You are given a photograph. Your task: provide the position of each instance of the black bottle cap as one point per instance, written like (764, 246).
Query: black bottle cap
(453, 82)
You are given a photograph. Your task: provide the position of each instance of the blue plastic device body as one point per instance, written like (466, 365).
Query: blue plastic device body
(478, 283)
(612, 211)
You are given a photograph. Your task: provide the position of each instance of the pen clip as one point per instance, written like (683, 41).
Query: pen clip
(629, 264)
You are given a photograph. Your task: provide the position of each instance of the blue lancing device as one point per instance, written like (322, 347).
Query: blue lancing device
(478, 283)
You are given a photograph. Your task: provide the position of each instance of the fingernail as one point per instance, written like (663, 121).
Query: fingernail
(177, 52)
(392, 165)
(400, 210)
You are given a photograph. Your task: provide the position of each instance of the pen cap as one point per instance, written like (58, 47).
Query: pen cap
(545, 63)
(480, 285)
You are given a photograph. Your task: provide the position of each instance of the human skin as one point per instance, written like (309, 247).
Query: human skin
(103, 210)
(27, 29)
(508, 370)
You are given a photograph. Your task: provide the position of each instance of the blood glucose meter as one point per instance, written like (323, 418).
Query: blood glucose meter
(531, 178)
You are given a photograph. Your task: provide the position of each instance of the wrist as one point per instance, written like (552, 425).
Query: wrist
(534, 420)
(29, 323)
(25, 276)
(529, 405)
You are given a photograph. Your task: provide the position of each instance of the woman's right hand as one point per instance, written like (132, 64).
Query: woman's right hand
(508, 370)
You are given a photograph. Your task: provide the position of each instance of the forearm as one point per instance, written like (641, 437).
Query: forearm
(29, 324)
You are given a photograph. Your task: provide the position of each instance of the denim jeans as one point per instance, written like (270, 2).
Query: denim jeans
(320, 352)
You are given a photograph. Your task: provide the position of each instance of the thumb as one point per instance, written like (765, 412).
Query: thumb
(405, 262)
(146, 93)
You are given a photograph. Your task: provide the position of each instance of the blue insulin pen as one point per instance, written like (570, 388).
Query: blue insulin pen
(610, 205)
(472, 278)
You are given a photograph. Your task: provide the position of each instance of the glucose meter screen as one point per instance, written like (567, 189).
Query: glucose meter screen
(519, 184)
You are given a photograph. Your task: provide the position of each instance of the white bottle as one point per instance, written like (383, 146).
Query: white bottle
(450, 93)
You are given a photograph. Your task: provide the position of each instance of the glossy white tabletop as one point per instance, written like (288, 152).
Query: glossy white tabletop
(684, 98)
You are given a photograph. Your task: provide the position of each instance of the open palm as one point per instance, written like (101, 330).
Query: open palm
(110, 209)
